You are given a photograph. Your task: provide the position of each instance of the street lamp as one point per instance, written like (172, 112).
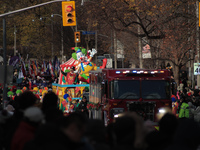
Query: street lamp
(62, 46)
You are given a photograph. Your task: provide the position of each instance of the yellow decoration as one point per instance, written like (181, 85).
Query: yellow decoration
(43, 93)
(35, 89)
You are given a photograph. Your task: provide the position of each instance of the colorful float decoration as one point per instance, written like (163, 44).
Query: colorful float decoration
(77, 68)
(81, 60)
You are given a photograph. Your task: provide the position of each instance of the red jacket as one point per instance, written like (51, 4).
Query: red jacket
(24, 133)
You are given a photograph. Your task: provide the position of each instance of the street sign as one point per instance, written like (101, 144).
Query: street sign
(109, 63)
(196, 68)
(87, 32)
(146, 53)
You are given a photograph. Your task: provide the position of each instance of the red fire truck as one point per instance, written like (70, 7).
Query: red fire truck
(119, 90)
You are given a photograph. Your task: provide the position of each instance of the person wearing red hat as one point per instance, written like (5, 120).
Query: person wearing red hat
(69, 76)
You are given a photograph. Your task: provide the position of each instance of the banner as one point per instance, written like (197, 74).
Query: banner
(51, 69)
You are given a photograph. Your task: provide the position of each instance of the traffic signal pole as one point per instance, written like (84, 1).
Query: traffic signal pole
(5, 64)
(75, 39)
(27, 8)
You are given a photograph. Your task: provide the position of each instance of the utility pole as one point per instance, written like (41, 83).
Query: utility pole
(15, 40)
(76, 31)
(62, 46)
(96, 46)
(140, 46)
(52, 46)
(5, 64)
(197, 39)
(115, 50)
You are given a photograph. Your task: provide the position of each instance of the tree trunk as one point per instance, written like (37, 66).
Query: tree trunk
(176, 72)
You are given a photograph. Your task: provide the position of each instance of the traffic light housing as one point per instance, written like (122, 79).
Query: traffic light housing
(68, 13)
(77, 37)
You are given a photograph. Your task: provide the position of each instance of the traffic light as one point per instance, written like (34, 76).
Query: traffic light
(77, 37)
(68, 13)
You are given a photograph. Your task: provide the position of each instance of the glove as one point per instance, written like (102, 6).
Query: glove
(94, 51)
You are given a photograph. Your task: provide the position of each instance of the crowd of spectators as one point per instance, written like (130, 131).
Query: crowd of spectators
(190, 98)
(46, 128)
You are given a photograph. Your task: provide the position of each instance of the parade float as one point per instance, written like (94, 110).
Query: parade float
(74, 77)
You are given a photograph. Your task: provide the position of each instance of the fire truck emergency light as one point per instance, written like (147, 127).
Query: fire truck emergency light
(139, 72)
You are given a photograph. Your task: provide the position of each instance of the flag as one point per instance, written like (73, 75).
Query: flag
(20, 75)
(31, 70)
(47, 70)
(42, 69)
(51, 69)
(14, 60)
(36, 67)
(23, 68)
(57, 67)
(44, 64)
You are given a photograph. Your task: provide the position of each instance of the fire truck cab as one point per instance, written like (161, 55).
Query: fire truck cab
(118, 90)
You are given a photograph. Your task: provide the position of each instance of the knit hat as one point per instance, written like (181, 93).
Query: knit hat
(18, 91)
(40, 91)
(35, 89)
(173, 96)
(34, 114)
(10, 93)
(14, 87)
(10, 108)
(173, 99)
(24, 88)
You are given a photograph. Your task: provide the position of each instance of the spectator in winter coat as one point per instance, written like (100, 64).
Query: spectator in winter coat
(66, 133)
(159, 140)
(184, 109)
(97, 137)
(26, 130)
(24, 101)
(186, 136)
(82, 107)
(50, 107)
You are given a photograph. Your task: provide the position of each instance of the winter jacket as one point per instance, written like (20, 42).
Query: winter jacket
(82, 106)
(50, 137)
(184, 110)
(24, 133)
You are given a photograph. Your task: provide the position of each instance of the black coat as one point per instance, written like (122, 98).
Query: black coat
(50, 137)
(83, 106)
